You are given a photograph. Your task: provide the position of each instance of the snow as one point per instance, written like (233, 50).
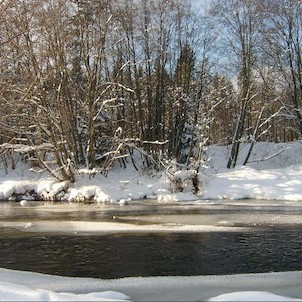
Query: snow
(15, 292)
(173, 197)
(246, 182)
(251, 296)
(274, 173)
(28, 286)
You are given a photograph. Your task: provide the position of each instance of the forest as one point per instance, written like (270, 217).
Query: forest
(88, 83)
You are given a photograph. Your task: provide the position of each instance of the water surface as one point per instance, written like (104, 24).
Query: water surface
(272, 244)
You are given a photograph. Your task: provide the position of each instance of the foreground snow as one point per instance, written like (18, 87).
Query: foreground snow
(15, 292)
(251, 296)
(26, 286)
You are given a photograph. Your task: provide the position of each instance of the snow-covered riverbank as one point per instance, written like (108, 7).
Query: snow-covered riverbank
(26, 286)
(274, 172)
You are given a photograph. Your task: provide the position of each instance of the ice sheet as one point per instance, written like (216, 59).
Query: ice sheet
(111, 227)
(228, 219)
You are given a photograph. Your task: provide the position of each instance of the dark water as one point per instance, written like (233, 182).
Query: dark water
(115, 256)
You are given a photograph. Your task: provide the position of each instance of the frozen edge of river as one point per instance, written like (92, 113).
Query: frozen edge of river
(74, 227)
(197, 288)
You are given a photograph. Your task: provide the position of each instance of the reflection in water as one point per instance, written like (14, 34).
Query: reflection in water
(75, 212)
(115, 256)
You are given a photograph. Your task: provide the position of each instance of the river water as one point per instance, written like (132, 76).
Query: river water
(149, 239)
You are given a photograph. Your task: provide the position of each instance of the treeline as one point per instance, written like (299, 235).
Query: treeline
(84, 83)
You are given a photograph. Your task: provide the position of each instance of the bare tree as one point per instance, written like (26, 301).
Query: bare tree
(282, 30)
(240, 19)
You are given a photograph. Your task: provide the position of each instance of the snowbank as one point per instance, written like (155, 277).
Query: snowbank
(46, 188)
(274, 172)
(27, 286)
(251, 296)
(16, 292)
(246, 182)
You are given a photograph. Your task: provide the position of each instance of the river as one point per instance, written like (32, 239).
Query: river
(146, 238)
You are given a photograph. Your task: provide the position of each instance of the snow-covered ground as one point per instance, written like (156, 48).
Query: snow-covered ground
(275, 172)
(27, 286)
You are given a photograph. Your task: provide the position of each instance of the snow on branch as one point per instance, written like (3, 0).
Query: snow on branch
(137, 140)
(104, 103)
(270, 156)
(25, 148)
(271, 117)
(109, 153)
